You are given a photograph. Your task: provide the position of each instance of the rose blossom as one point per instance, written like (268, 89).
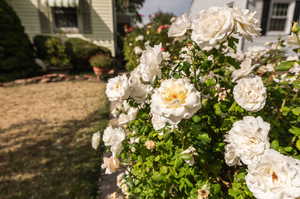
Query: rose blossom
(96, 140)
(124, 112)
(174, 100)
(150, 60)
(121, 183)
(110, 164)
(231, 158)
(114, 137)
(117, 88)
(246, 69)
(149, 144)
(212, 26)
(138, 90)
(137, 50)
(248, 140)
(180, 26)
(250, 93)
(275, 177)
(204, 192)
(139, 38)
(246, 23)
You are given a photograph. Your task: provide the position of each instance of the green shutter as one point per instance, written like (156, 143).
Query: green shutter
(85, 14)
(44, 15)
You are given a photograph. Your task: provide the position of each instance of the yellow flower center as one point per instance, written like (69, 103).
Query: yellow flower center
(174, 97)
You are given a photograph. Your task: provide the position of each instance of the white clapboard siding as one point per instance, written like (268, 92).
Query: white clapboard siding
(28, 13)
(102, 21)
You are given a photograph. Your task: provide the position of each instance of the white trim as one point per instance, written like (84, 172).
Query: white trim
(289, 21)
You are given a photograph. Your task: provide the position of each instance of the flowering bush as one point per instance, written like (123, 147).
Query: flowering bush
(139, 39)
(210, 122)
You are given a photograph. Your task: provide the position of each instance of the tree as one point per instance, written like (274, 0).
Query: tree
(130, 6)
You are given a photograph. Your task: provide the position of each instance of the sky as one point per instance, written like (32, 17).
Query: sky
(177, 7)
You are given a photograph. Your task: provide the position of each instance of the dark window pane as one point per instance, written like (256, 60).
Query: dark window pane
(65, 17)
(280, 9)
(277, 24)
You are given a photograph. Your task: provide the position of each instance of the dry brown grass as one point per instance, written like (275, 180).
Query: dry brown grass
(45, 134)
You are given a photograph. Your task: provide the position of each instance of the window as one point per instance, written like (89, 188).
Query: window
(279, 15)
(65, 17)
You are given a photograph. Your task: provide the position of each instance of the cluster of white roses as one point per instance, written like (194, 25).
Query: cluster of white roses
(270, 174)
(212, 26)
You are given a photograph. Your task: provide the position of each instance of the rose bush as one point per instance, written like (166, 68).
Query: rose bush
(153, 33)
(213, 123)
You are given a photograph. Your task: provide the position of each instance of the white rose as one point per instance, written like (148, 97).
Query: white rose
(138, 90)
(248, 140)
(266, 68)
(124, 112)
(250, 93)
(246, 69)
(139, 38)
(96, 140)
(150, 60)
(212, 26)
(114, 137)
(137, 50)
(121, 183)
(110, 164)
(275, 177)
(246, 23)
(117, 88)
(166, 55)
(130, 115)
(296, 68)
(231, 158)
(179, 27)
(158, 121)
(256, 52)
(174, 100)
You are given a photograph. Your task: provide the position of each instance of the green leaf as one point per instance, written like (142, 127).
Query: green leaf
(295, 130)
(284, 66)
(296, 111)
(218, 110)
(298, 144)
(196, 118)
(204, 138)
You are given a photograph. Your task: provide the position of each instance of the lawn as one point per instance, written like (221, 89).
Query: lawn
(45, 132)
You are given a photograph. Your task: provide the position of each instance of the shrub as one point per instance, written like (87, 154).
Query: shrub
(51, 50)
(212, 123)
(16, 51)
(100, 60)
(80, 51)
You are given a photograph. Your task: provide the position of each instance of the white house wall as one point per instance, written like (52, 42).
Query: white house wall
(102, 20)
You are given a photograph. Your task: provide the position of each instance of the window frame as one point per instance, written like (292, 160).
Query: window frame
(66, 30)
(289, 17)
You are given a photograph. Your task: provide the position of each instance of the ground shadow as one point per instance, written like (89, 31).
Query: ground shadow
(62, 166)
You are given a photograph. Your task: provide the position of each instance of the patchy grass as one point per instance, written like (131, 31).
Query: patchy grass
(45, 132)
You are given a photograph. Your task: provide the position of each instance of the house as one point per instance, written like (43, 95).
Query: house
(92, 20)
(275, 16)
